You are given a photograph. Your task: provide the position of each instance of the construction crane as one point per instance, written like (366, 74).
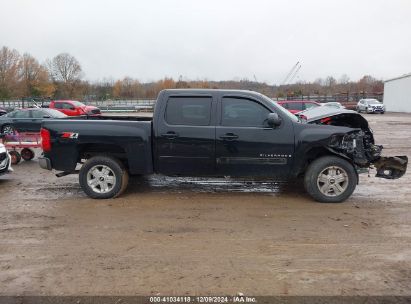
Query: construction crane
(293, 72)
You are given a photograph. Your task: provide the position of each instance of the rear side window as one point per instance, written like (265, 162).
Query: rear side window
(22, 114)
(240, 112)
(58, 105)
(189, 111)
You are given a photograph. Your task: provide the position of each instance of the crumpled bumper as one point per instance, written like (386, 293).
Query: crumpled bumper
(391, 167)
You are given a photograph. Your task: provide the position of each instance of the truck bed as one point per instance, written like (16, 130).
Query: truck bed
(112, 117)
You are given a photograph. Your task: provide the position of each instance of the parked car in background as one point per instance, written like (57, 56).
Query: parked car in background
(27, 120)
(370, 105)
(333, 104)
(74, 108)
(295, 106)
(2, 112)
(5, 160)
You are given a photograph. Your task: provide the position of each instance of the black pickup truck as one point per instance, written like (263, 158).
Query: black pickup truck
(217, 133)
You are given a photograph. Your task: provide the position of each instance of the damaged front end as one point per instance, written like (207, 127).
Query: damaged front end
(358, 145)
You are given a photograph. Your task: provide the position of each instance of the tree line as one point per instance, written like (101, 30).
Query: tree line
(61, 77)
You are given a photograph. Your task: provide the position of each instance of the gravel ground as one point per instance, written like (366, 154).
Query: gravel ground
(181, 236)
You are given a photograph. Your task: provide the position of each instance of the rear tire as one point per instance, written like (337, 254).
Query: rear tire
(330, 179)
(103, 177)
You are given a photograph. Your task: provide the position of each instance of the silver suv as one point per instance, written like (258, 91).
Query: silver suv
(370, 105)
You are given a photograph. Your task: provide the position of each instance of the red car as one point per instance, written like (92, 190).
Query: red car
(74, 108)
(295, 106)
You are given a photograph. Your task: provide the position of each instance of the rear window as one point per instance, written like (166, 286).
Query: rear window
(190, 111)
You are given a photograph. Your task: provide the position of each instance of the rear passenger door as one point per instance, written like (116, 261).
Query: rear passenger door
(185, 136)
(22, 121)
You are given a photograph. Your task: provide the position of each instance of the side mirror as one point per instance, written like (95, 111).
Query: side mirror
(273, 120)
(46, 116)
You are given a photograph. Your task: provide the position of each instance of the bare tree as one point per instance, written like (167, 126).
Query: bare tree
(65, 68)
(9, 72)
(66, 72)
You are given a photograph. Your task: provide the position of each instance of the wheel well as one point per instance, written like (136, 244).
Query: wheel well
(87, 151)
(313, 154)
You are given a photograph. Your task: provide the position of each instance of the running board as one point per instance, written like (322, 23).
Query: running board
(61, 174)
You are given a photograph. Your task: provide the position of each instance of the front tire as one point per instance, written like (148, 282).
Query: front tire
(103, 177)
(330, 179)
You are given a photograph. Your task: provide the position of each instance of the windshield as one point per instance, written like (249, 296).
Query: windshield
(281, 109)
(373, 101)
(77, 103)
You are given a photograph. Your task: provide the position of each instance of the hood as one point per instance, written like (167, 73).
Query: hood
(91, 110)
(322, 112)
(336, 117)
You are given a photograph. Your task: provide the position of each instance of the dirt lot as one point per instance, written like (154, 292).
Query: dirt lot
(175, 237)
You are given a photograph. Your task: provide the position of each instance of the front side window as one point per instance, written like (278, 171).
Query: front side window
(240, 112)
(67, 106)
(37, 114)
(189, 111)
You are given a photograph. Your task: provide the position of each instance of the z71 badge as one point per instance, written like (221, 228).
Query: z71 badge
(69, 135)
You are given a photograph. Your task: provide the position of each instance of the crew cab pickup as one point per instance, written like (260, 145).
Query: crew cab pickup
(217, 133)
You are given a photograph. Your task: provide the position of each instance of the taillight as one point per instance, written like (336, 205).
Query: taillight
(45, 140)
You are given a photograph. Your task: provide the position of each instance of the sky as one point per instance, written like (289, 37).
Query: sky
(215, 39)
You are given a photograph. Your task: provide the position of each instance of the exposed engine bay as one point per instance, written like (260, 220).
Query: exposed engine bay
(357, 145)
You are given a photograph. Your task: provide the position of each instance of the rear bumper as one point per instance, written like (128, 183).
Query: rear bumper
(45, 163)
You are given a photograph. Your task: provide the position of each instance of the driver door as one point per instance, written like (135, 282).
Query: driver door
(246, 146)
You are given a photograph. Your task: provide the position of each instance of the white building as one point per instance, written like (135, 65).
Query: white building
(397, 94)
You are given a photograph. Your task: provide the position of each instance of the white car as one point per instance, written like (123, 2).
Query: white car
(5, 160)
(370, 105)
